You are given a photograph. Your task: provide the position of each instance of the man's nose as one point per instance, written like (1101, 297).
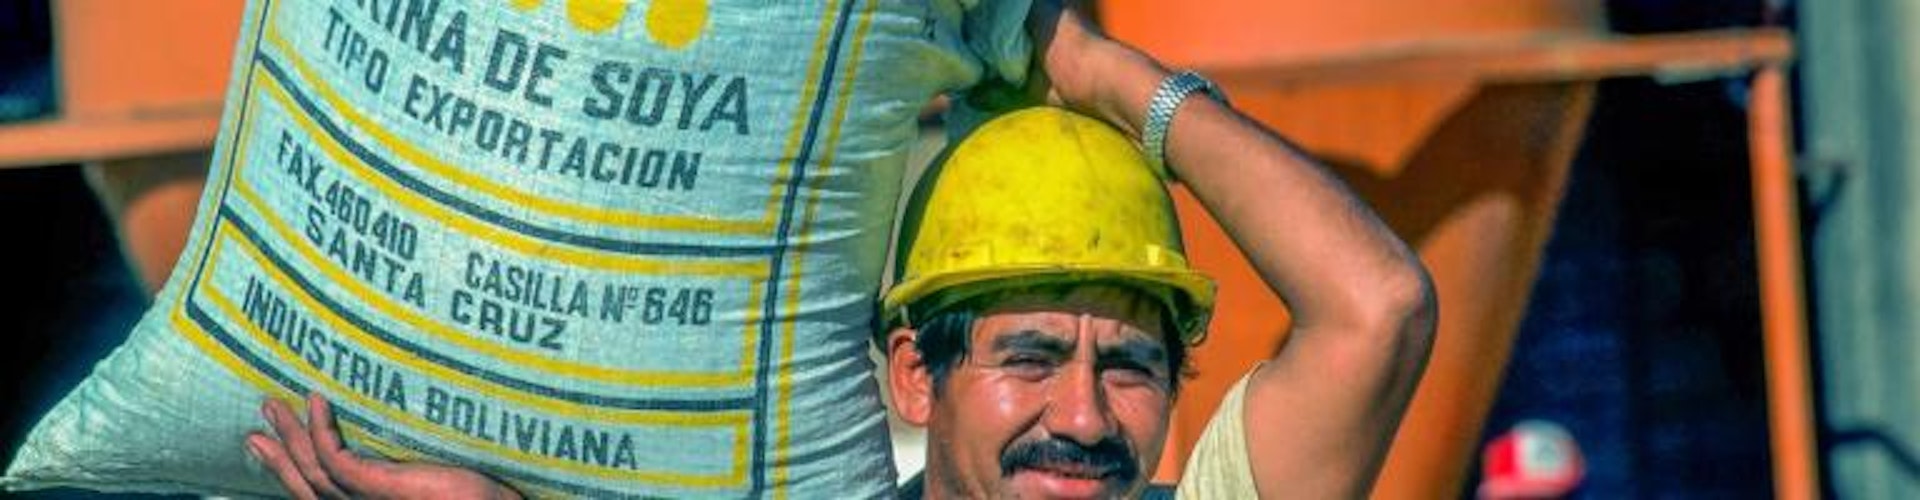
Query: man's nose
(1078, 407)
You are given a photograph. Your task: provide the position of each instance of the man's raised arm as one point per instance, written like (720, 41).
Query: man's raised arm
(1321, 414)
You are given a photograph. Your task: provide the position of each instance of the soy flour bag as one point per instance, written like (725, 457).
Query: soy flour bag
(597, 248)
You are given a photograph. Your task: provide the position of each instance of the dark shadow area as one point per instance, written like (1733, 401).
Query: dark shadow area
(1656, 16)
(1642, 337)
(1643, 334)
(26, 71)
(70, 298)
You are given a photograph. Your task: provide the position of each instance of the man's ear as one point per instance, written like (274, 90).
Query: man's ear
(907, 377)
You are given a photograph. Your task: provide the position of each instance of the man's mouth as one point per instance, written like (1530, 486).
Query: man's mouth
(1075, 470)
(1065, 482)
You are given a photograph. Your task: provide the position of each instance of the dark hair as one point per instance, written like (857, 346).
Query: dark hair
(945, 339)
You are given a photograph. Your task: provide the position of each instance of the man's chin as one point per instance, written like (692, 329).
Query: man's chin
(1039, 483)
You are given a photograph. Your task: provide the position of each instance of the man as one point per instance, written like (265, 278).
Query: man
(1040, 323)
(1065, 390)
(1041, 320)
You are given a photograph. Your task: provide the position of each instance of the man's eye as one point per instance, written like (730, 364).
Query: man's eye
(1026, 361)
(1129, 374)
(1028, 365)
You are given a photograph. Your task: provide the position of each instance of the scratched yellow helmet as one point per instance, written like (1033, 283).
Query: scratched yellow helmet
(1042, 196)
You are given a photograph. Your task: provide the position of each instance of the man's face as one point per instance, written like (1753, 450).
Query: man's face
(1059, 396)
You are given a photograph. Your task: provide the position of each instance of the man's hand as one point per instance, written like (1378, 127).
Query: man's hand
(1081, 69)
(311, 463)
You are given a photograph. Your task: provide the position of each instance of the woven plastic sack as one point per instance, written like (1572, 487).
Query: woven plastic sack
(596, 248)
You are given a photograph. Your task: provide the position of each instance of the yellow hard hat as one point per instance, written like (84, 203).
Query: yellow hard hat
(1042, 196)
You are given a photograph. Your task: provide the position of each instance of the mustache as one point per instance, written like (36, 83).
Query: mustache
(1108, 459)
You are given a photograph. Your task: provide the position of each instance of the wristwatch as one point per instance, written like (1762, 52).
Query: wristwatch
(1160, 108)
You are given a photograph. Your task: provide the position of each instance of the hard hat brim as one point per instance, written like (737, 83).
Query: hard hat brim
(1188, 295)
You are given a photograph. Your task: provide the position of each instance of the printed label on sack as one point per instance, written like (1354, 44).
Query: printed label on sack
(503, 239)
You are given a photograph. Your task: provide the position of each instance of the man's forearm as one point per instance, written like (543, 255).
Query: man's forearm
(1362, 306)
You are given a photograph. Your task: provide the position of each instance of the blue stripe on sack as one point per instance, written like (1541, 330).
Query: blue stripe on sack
(482, 213)
(372, 426)
(693, 405)
(780, 243)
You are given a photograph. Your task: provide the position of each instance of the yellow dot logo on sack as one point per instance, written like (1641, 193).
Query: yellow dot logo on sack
(671, 23)
(676, 23)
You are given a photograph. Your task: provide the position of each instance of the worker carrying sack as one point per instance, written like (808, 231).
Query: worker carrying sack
(590, 247)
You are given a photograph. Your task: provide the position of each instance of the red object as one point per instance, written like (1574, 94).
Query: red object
(1533, 460)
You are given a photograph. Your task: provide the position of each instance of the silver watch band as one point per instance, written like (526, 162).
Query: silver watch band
(1160, 108)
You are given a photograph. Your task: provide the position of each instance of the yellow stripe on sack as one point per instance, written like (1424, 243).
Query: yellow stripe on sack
(409, 360)
(200, 340)
(205, 343)
(783, 419)
(507, 193)
(394, 452)
(399, 454)
(738, 420)
(796, 131)
(520, 243)
(335, 274)
(748, 329)
(186, 328)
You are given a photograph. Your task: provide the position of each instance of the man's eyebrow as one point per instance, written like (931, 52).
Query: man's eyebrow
(1031, 340)
(1139, 351)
